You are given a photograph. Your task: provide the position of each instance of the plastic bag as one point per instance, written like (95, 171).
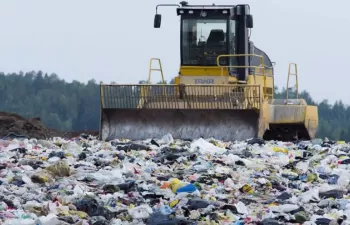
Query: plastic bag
(141, 212)
(205, 147)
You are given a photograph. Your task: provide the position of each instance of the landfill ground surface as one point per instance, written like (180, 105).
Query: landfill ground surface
(83, 181)
(13, 125)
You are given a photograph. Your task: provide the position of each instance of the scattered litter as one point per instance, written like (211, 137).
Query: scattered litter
(84, 181)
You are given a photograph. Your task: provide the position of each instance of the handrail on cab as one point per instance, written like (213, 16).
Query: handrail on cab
(262, 66)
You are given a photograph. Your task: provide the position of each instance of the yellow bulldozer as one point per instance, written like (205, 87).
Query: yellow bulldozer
(224, 89)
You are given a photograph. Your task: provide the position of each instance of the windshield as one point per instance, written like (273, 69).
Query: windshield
(203, 40)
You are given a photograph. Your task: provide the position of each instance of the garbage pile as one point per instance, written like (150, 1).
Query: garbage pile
(174, 182)
(15, 126)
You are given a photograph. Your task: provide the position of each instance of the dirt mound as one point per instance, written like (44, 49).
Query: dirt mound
(13, 125)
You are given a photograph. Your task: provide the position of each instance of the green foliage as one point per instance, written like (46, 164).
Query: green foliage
(60, 105)
(75, 106)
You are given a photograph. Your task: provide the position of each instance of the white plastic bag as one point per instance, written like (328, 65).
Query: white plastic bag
(141, 212)
(205, 147)
(167, 139)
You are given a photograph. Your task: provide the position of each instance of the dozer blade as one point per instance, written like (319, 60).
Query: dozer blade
(187, 112)
(182, 124)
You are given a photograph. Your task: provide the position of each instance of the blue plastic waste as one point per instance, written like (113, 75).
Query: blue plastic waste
(187, 188)
(165, 210)
(333, 179)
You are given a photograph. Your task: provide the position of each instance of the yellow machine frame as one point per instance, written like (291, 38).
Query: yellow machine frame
(272, 113)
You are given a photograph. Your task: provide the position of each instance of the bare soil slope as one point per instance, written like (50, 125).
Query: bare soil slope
(12, 125)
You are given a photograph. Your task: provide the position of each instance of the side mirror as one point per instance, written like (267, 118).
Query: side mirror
(249, 21)
(157, 20)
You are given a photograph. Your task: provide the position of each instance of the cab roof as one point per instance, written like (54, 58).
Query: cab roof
(200, 11)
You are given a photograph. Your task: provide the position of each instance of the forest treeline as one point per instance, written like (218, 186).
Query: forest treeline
(75, 106)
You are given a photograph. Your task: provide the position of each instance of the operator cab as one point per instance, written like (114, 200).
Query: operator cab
(208, 31)
(205, 34)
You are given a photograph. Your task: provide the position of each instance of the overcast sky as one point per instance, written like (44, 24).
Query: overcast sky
(112, 40)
